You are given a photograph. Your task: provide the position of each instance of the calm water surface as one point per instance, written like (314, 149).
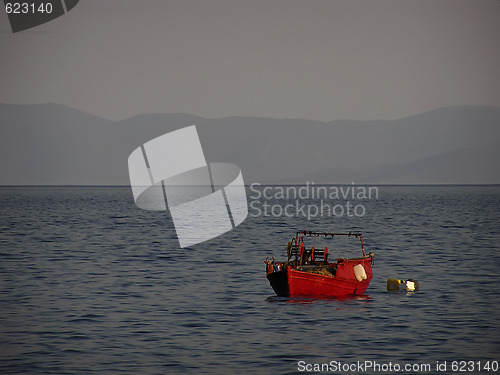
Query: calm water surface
(90, 284)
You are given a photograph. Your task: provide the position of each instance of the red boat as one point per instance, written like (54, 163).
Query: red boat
(308, 271)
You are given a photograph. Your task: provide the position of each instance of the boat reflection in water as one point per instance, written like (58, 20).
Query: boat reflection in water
(321, 299)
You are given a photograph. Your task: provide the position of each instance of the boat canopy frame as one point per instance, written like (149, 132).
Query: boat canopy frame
(299, 236)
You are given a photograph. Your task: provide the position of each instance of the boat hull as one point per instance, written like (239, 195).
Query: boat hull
(295, 283)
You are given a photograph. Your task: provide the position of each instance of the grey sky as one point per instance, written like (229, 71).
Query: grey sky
(314, 59)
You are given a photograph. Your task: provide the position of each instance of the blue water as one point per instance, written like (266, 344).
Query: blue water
(90, 284)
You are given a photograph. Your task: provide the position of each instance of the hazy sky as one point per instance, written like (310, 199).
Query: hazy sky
(314, 59)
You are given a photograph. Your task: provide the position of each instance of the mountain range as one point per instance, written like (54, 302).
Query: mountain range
(50, 144)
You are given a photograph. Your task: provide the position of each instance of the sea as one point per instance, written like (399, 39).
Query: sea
(92, 284)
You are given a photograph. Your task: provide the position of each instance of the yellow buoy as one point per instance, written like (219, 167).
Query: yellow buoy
(393, 284)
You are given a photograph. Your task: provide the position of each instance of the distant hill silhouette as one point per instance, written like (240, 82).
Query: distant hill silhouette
(54, 144)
